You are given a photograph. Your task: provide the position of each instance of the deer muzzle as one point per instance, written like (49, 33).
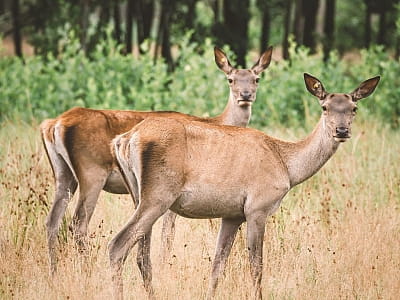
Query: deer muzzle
(245, 98)
(245, 95)
(342, 133)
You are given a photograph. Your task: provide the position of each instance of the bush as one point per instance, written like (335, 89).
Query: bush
(44, 87)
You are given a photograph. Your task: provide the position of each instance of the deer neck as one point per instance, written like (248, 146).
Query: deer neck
(304, 158)
(234, 114)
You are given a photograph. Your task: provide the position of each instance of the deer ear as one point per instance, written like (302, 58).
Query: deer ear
(365, 89)
(263, 62)
(222, 61)
(314, 86)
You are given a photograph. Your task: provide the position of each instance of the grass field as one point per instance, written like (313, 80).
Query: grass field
(336, 236)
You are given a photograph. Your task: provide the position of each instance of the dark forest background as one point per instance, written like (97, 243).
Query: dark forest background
(241, 24)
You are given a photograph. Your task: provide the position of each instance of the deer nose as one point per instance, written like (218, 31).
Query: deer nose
(342, 131)
(245, 95)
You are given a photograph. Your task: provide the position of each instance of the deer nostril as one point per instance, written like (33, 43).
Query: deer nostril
(342, 131)
(245, 95)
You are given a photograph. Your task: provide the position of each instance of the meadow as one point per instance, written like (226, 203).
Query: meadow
(336, 236)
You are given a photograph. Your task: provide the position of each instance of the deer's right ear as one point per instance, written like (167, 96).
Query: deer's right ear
(365, 89)
(314, 86)
(263, 62)
(222, 61)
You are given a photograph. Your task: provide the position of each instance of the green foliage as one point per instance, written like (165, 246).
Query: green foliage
(49, 24)
(45, 87)
(350, 24)
(385, 103)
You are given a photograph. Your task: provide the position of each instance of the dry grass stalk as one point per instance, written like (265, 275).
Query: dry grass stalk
(335, 236)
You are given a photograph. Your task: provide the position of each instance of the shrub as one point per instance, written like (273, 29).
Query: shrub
(43, 87)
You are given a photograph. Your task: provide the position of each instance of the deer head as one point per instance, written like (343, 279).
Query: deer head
(339, 109)
(243, 83)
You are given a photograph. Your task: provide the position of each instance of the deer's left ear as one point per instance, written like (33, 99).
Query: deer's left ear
(315, 87)
(263, 62)
(365, 89)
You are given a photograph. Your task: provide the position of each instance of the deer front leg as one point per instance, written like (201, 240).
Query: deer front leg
(255, 235)
(167, 235)
(226, 236)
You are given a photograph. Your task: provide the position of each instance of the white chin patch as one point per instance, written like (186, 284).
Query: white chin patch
(245, 103)
(341, 140)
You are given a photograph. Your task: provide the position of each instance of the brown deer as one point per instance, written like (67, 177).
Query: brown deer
(77, 145)
(206, 171)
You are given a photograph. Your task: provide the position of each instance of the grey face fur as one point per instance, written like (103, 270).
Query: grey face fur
(339, 109)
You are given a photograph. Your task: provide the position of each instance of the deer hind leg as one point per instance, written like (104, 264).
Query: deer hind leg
(137, 229)
(167, 235)
(226, 236)
(65, 187)
(255, 237)
(144, 263)
(90, 186)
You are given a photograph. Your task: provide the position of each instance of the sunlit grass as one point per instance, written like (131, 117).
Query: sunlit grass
(336, 236)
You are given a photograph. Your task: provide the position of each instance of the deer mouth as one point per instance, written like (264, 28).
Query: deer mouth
(341, 139)
(245, 102)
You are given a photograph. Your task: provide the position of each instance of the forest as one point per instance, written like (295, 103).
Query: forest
(242, 24)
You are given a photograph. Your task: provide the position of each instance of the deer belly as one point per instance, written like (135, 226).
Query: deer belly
(115, 183)
(201, 204)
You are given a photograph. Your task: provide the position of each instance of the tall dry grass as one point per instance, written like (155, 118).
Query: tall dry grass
(336, 236)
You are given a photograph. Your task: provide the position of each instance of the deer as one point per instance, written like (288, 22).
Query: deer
(204, 171)
(77, 146)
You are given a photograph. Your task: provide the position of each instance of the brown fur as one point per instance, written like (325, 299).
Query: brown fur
(78, 146)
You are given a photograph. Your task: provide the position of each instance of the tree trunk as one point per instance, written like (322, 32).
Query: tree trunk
(105, 13)
(310, 17)
(16, 27)
(84, 25)
(105, 10)
(329, 27)
(190, 16)
(367, 33)
(285, 42)
(236, 20)
(163, 38)
(129, 25)
(298, 24)
(382, 27)
(265, 24)
(217, 8)
(2, 7)
(117, 21)
(217, 28)
(144, 16)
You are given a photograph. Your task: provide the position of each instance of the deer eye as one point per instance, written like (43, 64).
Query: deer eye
(324, 108)
(355, 109)
(230, 80)
(257, 80)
